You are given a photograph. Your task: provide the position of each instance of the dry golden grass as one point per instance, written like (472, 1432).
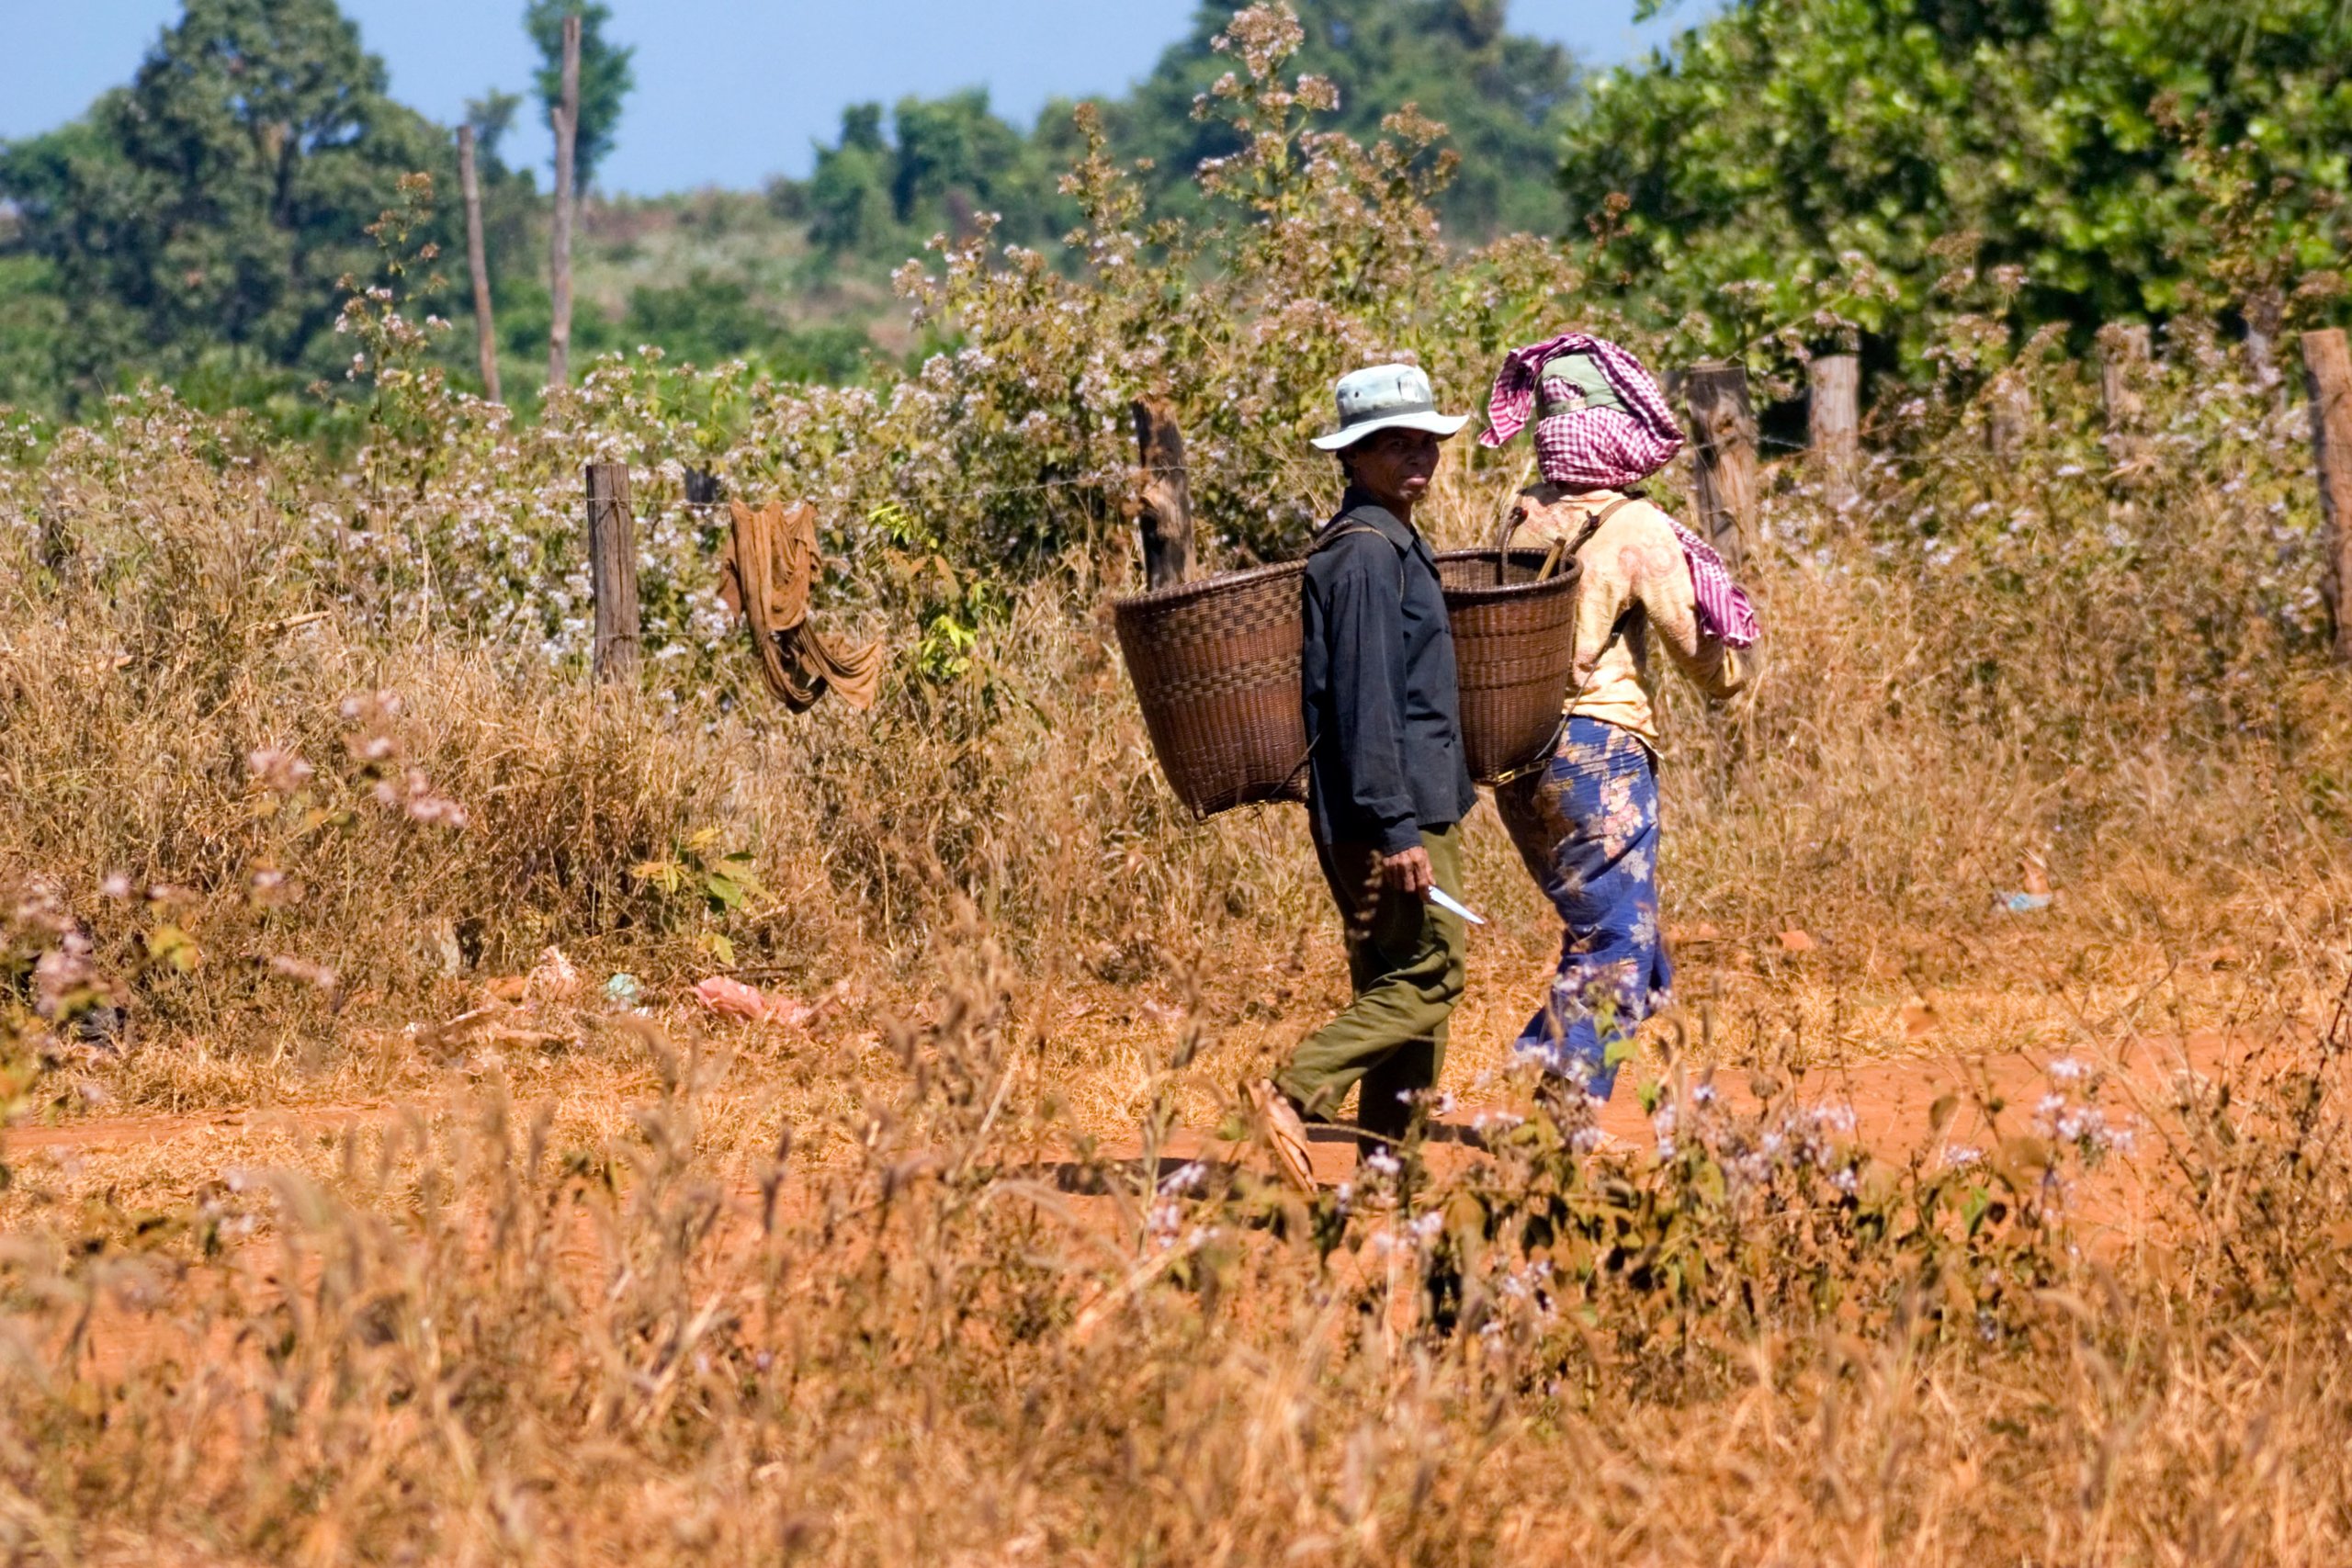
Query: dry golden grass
(296, 1272)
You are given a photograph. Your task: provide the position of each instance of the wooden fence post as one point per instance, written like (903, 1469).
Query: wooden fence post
(2008, 412)
(1723, 428)
(2265, 311)
(1165, 517)
(478, 263)
(567, 137)
(2123, 360)
(2328, 372)
(612, 571)
(1834, 411)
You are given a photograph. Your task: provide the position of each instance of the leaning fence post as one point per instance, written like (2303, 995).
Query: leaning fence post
(1723, 430)
(612, 571)
(1165, 511)
(1834, 411)
(2328, 372)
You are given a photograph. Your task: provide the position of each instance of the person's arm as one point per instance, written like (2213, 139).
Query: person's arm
(1364, 634)
(1662, 582)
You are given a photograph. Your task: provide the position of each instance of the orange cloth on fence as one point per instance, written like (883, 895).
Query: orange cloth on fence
(769, 562)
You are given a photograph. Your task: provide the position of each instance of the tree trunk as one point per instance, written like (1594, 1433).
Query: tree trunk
(1723, 430)
(1835, 412)
(567, 136)
(2328, 372)
(1165, 517)
(612, 571)
(478, 263)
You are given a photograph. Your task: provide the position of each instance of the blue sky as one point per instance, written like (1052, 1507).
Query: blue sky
(729, 91)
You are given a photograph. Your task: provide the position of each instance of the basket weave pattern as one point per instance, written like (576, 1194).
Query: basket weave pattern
(1514, 648)
(1216, 666)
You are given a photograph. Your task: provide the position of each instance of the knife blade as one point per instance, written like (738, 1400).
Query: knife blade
(1445, 900)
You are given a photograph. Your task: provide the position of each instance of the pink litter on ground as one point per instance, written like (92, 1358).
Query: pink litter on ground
(732, 998)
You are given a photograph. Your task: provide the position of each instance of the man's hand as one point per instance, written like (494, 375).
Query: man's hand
(1409, 871)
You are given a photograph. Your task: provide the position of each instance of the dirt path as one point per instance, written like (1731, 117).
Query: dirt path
(121, 1133)
(1892, 1105)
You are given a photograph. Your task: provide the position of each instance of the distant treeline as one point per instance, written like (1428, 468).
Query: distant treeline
(195, 224)
(1791, 175)
(889, 181)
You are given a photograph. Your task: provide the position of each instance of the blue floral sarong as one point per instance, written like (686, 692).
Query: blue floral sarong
(1586, 823)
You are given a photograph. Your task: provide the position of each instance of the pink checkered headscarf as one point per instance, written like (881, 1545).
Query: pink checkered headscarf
(1606, 448)
(1590, 448)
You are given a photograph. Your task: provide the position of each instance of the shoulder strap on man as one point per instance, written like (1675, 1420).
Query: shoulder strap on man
(1333, 536)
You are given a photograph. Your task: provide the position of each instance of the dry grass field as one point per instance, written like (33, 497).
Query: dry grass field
(342, 1248)
(341, 1224)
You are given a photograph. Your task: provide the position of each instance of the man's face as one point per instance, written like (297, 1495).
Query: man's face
(1394, 465)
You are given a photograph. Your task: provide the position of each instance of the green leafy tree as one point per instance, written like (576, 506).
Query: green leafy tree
(2082, 151)
(944, 162)
(949, 147)
(1504, 99)
(209, 208)
(848, 198)
(607, 76)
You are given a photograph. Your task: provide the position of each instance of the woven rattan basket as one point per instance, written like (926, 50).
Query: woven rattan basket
(1216, 669)
(1514, 646)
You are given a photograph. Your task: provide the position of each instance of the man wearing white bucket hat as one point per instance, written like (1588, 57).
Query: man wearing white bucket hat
(1387, 785)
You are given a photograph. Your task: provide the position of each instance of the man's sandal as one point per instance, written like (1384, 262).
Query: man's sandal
(1285, 1131)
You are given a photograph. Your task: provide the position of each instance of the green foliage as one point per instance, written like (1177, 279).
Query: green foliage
(2085, 147)
(944, 160)
(203, 215)
(709, 320)
(701, 883)
(607, 76)
(848, 198)
(1502, 98)
(950, 604)
(33, 324)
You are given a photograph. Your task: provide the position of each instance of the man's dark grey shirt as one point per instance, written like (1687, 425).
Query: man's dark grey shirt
(1382, 716)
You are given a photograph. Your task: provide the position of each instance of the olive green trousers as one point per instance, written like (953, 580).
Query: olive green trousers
(1407, 959)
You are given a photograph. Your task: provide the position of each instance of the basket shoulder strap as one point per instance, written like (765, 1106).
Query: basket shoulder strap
(1561, 549)
(1333, 536)
(1592, 522)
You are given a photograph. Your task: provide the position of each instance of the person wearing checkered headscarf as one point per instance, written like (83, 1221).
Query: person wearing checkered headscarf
(1586, 819)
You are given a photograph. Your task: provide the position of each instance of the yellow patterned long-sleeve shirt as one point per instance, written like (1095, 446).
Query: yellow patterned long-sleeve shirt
(1637, 586)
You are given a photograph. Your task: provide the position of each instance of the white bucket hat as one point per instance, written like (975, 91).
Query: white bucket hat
(1388, 397)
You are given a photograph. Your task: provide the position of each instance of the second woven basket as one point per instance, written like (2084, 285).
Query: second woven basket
(1514, 647)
